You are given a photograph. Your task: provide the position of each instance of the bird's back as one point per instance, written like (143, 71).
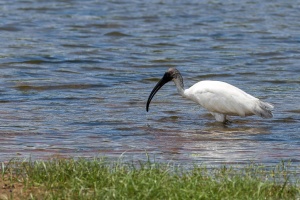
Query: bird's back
(221, 97)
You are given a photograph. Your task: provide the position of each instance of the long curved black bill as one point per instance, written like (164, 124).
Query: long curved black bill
(166, 78)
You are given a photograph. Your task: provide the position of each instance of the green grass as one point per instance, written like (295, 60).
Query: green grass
(103, 179)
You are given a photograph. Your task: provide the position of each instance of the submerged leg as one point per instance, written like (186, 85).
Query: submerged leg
(220, 117)
(227, 122)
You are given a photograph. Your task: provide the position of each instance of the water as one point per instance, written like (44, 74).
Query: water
(75, 77)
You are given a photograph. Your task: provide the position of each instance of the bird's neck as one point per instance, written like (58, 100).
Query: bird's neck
(179, 85)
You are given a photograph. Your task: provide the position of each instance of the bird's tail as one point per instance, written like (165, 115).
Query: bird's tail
(264, 109)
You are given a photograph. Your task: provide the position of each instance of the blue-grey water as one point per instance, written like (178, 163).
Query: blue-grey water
(75, 77)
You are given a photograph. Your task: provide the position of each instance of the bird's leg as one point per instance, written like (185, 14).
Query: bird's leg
(219, 117)
(226, 121)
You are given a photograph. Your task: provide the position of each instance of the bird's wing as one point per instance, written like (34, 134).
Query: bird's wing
(221, 97)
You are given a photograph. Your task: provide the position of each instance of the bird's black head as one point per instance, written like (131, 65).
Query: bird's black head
(171, 74)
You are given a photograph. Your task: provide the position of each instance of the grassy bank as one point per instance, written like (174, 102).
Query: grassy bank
(101, 179)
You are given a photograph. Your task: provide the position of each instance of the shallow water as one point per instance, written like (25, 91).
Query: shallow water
(75, 78)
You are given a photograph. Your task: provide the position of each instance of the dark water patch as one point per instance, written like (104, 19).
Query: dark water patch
(106, 25)
(151, 19)
(169, 118)
(77, 45)
(163, 44)
(40, 9)
(196, 40)
(10, 28)
(101, 123)
(170, 112)
(98, 26)
(62, 100)
(226, 39)
(217, 47)
(166, 60)
(95, 68)
(94, 123)
(68, 71)
(276, 58)
(294, 111)
(268, 54)
(124, 129)
(286, 120)
(5, 101)
(207, 76)
(287, 81)
(247, 73)
(116, 34)
(58, 87)
(35, 62)
(50, 61)
(275, 81)
(6, 134)
(151, 79)
(86, 61)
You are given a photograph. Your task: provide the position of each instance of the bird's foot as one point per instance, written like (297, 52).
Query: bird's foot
(227, 122)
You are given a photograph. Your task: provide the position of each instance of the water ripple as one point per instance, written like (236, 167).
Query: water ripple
(76, 76)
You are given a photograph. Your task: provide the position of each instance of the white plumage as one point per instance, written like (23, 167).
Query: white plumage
(219, 98)
(223, 99)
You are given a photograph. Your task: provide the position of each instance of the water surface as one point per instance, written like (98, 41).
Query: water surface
(75, 77)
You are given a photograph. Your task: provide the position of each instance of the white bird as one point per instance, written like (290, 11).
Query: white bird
(219, 98)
